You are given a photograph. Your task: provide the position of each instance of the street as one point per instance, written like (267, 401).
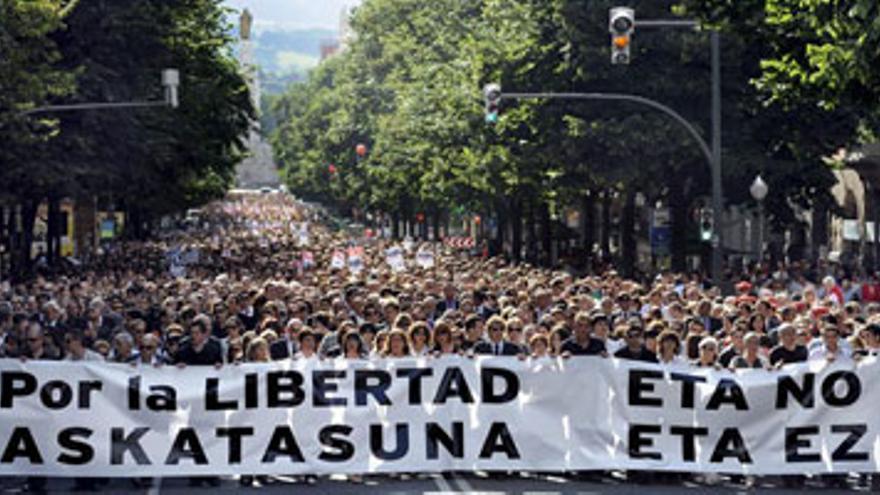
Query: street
(449, 246)
(449, 484)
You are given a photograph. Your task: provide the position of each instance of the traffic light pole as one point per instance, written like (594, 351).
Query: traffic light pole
(712, 154)
(704, 147)
(717, 193)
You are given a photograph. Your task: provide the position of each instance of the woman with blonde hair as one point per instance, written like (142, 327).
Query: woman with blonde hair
(258, 351)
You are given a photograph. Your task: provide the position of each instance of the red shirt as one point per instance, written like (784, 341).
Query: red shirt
(870, 292)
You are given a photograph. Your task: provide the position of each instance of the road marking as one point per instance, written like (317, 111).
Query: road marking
(443, 485)
(157, 485)
(462, 484)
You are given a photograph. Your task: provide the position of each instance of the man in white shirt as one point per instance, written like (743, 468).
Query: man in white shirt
(830, 349)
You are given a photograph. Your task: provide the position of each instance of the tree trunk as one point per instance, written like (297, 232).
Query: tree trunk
(516, 221)
(53, 231)
(423, 225)
(436, 217)
(395, 225)
(589, 228)
(627, 233)
(531, 233)
(819, 232)
(501, 229)
(23, 268)
(6, 238)
(678, 209)
(606, 225)
(546, 236)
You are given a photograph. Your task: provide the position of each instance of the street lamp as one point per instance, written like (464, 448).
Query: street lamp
(171, 81)
(170, 85)
(759, 191)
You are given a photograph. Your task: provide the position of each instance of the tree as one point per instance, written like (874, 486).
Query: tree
(147, 162)
(410, 86)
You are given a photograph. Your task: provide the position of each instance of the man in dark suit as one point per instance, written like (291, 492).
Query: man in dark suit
(449, 302)
(286, 347)
(497, 345)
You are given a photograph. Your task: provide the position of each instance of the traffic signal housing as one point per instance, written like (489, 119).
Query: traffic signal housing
(492, 94)
(621, 24)
(707, 224)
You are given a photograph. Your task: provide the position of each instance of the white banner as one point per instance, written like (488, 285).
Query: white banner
(421, 415)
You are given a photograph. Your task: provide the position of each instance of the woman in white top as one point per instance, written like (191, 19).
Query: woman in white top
(420, 339)
(669, 349)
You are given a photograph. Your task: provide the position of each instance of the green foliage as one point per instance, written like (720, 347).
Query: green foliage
(153, 160)
(28, 78)
(410, 88)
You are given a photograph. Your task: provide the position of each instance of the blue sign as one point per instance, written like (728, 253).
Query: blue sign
(661, 241)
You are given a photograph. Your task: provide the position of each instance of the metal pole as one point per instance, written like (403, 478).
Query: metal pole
(94, 106)
(761, 232)
(717, 194)
(668, 23)
(704, 147)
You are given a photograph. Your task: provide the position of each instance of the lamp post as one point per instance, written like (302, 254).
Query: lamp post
(759, 191)
(170, 86)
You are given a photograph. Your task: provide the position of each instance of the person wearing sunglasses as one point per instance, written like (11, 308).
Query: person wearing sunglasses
(635, 349)
(497, 344)
(708, 354)
(36, 347)
(148, 354)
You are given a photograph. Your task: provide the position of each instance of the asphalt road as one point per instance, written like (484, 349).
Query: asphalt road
(448, 484)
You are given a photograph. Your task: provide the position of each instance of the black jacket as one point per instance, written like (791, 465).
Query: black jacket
(486, 347)
(282, 349)
(211, 353)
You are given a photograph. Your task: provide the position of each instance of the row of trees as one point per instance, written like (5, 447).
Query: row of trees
(146, 162)
(798, 85)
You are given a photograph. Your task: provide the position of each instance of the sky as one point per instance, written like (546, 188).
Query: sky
(294, 14)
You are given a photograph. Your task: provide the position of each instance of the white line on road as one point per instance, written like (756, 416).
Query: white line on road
(443, 485)
(462, 484)
(157, 485)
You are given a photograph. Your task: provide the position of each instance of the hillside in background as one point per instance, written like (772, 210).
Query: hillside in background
(286, 55)
(284, 51)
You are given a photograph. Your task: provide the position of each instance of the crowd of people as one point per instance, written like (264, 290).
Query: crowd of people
(263, 285)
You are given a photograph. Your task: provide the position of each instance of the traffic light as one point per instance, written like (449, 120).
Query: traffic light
(492, 93)
(707, 224)
(621, 24)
